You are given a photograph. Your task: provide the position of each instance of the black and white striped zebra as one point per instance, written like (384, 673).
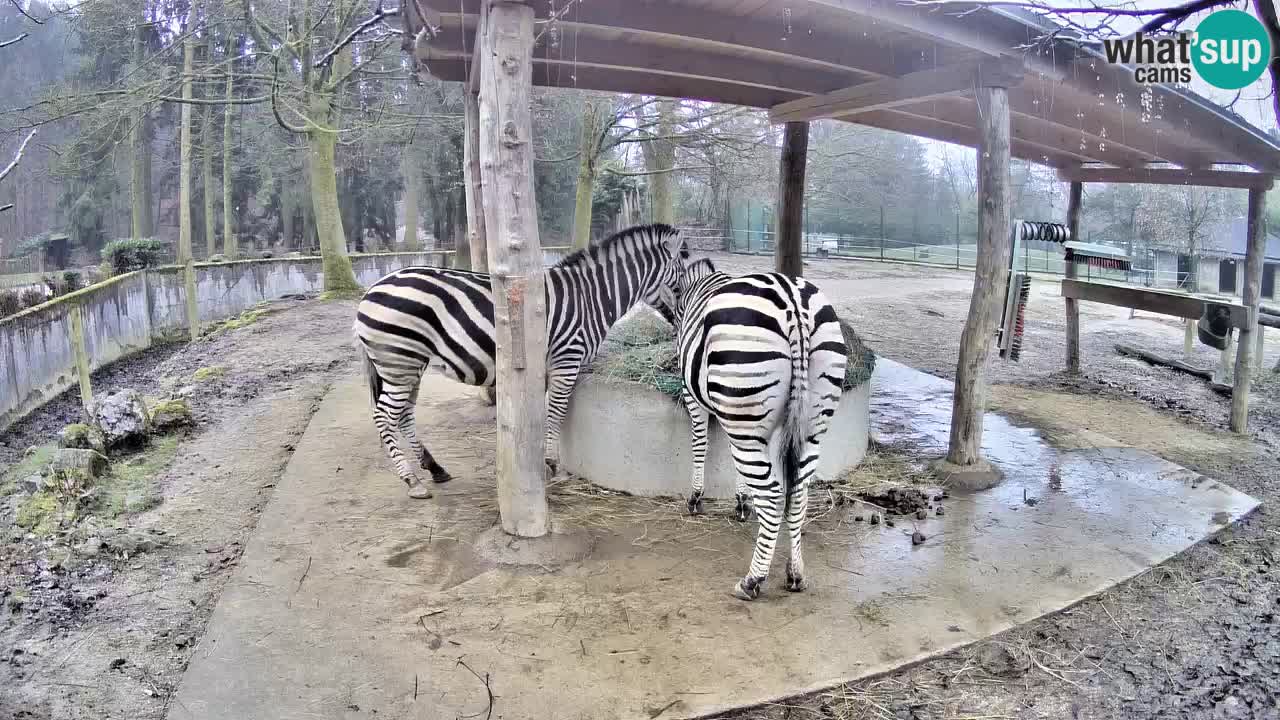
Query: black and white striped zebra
(424, 316)
(765, 356)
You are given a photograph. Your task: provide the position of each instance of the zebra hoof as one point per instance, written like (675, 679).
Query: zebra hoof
(743, 510)
(441, 477)
(694, 503)
(796, 583)
(419, 491)
(748, 589)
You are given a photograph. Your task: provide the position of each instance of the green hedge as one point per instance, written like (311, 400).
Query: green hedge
(132, 254)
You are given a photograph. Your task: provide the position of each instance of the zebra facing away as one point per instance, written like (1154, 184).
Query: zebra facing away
(420, 317)
(764, 354)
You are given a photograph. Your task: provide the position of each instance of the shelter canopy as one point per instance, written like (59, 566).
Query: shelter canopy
(905, 68)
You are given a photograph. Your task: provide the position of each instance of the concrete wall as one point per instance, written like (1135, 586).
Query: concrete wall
(627, 436)
(128, 313)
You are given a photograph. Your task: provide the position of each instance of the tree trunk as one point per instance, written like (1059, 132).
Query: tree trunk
(788, 258)
(140, 160)
(472, 192)
(989, 277)
(229, 247)
(184, 150)
(461, 240)
(338, 275)
(515, 258)
(659, 159)
(206, 172)
(287, 212)
(588, 156)
(411, 240)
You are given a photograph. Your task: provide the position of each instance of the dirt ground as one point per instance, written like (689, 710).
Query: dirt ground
(110, 635)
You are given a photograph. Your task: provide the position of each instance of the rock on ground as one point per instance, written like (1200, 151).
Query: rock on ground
(90, 463)
(80, 435)
(171, 414)
(123, 417)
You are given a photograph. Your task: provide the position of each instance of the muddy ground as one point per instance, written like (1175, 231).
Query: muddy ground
(109, 635)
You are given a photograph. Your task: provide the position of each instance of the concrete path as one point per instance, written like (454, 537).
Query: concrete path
(354, 601)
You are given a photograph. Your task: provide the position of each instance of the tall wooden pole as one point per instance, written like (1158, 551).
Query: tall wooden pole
(1073, 307)
(788, 258)
(515, 261)
(989, 276)
(476, 236)
(1252, 298)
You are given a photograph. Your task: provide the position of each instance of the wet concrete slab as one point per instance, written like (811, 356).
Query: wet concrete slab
(354, 601)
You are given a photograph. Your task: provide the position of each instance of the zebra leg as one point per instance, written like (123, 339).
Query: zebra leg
(742, 494)
(409, 428)
(754, 462)
(560, 382)
(388, 414)
(698, 421)
(797, 510)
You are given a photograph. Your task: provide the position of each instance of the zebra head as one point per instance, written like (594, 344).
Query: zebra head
(669, 252)
(692, 273)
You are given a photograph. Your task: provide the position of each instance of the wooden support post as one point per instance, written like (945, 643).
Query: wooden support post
(1073, 306)
(515, 261)
(1189, 339)
(989, 277)
(1254, 256)
(81, 351)
(788, 258)
(193, 311)
(476, 235)
(1222, 374)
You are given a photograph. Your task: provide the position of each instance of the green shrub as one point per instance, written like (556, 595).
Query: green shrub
(133, 254)
(10, 303)
(32, 297)
(72, 280)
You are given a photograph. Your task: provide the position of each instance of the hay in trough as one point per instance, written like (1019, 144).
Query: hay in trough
(641, 349)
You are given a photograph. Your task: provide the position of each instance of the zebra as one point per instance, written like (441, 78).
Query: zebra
(765, 356)
(420, 317)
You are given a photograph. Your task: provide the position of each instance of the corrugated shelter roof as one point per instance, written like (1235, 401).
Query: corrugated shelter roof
(1070, 109)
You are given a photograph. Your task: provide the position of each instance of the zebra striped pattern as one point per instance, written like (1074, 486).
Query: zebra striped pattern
(422, 317)
(765, 356)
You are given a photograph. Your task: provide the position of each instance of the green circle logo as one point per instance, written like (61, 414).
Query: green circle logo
(1232, 49)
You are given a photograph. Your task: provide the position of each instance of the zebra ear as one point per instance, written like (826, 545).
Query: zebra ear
(678, 246)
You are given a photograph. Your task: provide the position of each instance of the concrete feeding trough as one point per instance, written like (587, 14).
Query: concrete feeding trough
(627, 429)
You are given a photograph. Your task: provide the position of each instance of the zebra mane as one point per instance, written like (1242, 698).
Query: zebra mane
(700, 268)
(652, 232)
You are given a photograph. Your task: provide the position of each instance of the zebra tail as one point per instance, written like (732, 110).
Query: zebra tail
(797, 424)
(375, 380)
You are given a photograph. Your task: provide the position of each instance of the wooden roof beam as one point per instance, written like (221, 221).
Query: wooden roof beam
(892, 92)
(684, 26)
(695, 63)
(959, 134)
(930, 24)
(1169, 176)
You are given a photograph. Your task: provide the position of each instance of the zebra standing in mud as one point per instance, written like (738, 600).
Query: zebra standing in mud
(423, 316)
(765, 355)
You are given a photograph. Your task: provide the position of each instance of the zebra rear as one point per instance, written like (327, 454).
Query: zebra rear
(765, 356)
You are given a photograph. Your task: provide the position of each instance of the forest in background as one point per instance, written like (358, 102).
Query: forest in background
(228, 127)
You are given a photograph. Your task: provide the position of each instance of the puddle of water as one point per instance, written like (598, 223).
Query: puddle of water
(913, 409)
